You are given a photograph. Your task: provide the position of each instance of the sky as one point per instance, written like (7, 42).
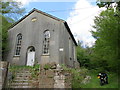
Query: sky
(79, 15)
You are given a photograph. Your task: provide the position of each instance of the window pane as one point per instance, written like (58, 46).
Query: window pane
(18, 44)
(46, 42)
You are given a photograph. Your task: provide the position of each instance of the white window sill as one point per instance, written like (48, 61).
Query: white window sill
(16, 56)
(45, 54)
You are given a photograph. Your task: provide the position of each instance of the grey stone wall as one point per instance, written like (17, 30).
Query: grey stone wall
(54, 79)
(3, 73)
(68, 55)
(51, 78)
(32, 35)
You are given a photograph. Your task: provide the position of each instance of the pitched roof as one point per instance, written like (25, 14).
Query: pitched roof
(46, 14)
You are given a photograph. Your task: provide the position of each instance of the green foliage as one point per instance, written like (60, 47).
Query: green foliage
(47, 66)
(77, 75)
(95, 82)
(105, 51)
(35, 70)
(108, 5)
(104, 4)
(5, 25)
(83, 56)
(15, 68)
(11, 9)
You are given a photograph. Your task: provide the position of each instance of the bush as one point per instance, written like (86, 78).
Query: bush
(35, 70)
(47, 66)
(78, 75)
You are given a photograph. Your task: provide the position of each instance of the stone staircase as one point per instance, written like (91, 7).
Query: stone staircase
(52, 78)
(22, 79)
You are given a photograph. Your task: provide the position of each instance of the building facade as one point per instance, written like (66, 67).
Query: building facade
(41, 38)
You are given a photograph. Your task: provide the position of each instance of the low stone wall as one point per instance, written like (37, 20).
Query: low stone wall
(54, 78)
(3, 73)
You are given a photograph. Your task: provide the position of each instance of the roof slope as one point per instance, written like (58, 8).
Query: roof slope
(46, 14)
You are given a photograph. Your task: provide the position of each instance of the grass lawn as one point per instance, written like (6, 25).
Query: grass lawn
(95, 82)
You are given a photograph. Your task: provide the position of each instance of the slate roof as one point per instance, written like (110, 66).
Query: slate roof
(46, 14)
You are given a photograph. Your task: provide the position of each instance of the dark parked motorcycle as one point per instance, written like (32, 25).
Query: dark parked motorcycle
(103, 78)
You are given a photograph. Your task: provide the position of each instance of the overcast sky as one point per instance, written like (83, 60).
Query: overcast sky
(79, 15)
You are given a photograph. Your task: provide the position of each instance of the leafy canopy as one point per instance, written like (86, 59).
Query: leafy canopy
(106, 46)
(9, 12)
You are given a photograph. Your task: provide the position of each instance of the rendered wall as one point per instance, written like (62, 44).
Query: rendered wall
(32, 33)
(61, 44)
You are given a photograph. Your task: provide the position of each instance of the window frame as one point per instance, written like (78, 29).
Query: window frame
(46, 42)
(18, 44)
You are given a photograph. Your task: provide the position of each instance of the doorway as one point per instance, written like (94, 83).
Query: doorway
(30, 56)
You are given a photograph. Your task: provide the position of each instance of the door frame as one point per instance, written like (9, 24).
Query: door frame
(27, 53)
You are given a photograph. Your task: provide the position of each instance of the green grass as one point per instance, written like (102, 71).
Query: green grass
(95, 83)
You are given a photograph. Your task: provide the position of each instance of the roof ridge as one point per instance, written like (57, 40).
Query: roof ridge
(47, 14)
(39, 11)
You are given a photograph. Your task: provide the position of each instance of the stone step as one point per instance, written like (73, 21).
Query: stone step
(26, 70)
(25, 81)
(22, 78)
(19, 84)
(20, 87)
(23, 72)
(23, 69)
(24, 75)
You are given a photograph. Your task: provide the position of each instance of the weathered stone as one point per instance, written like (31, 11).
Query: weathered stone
(42, 72)
(3, 64)
(47, 81)
(50, 73)
(41, 86)
(50, 80)
(59, 81)
(48, 86)
(67, 85)
(86, 80)
(59, 77)
(3, 72)
(53, 65)
(58, 67)
(59, 85)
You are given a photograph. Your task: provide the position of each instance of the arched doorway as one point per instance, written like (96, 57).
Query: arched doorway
(30, 56)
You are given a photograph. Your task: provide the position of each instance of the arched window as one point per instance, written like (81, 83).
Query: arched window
(18, 44)
(46, 42)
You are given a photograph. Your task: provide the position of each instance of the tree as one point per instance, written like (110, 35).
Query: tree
(108, 5)
(83, 55)
(5, 26)
(8, 13)
(106, 47)
(11, 9)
